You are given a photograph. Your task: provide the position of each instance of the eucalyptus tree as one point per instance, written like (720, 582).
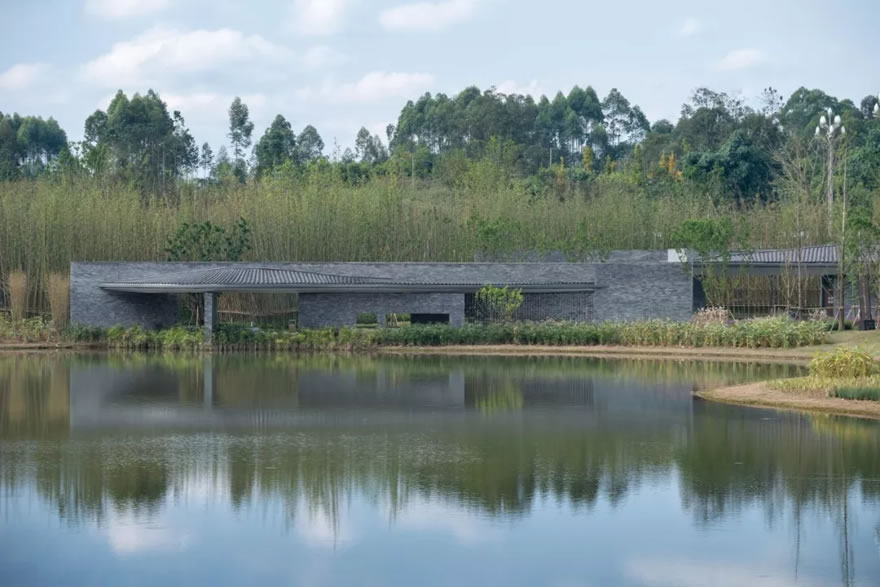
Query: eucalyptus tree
(369, 148)
(28, 145)
(206, 158)
(240, 130)
(138, 139)
(309, 145)
(276, 146)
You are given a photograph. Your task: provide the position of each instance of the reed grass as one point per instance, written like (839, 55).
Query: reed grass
(47, 223)
(59, 299)
(18, 283)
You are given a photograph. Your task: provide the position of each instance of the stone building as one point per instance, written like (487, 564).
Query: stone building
(624, 287)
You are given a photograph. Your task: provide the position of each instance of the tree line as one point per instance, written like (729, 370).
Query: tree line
(719, 145)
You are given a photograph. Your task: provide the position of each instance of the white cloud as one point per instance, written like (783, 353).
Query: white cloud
(373, 87)
(322, 56)
(435, 516)
(127, 536)
(122, 9)
(210, 106)
(739, 59)
(320, 528)
(509, 87)
(22, 76)
(684, 573)
(690, 27)
(427, 16)
(319, 17)
(345, 130)
(162, 53)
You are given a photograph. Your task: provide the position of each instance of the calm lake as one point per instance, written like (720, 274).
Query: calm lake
(400, 471)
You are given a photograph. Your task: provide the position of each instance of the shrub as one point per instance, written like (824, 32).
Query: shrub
(18, 294)
(779, 332)
(498, 303)
(27, 330)
(759, 333)
(366, 318)
(861, 388)
(833, 325)
(857, 392)
(843, 362)
(59, 299)
(81, 333)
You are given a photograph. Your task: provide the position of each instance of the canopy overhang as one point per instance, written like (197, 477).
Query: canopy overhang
(273, 280)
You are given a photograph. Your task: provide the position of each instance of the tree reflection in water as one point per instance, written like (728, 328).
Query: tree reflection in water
(488, 435)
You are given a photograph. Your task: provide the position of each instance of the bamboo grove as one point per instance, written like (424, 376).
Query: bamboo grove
(478, 172)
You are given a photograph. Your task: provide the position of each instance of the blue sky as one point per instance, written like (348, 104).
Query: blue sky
(341, 64)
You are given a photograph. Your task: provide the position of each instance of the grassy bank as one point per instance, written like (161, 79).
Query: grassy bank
(844, 380)
(762, 395)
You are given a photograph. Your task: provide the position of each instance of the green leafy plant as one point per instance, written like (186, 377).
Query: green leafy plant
(366, 318)
(205, 241)
(498, 304)
(844, 362)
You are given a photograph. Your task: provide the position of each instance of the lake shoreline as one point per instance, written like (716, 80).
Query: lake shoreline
(760, 395)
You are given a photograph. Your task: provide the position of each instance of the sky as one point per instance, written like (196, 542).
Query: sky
(343, 64)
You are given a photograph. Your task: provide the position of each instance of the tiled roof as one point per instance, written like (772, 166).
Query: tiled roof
(812, 255)
(256, 276)
(266, 278)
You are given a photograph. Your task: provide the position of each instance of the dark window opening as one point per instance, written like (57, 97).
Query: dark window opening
(537, 307)
(429, 318)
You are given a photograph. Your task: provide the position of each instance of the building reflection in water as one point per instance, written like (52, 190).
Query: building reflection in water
(97, 434)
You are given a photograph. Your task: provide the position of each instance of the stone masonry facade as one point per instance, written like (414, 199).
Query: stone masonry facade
(635, 288)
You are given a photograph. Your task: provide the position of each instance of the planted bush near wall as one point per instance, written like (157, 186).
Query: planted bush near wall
(757, 333)
(234, 337)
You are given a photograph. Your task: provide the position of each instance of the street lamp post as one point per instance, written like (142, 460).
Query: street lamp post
(830, 130)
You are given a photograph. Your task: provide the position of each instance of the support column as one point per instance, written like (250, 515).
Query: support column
(456, 312)
(210, 316)
(382, 319)
(208, 383)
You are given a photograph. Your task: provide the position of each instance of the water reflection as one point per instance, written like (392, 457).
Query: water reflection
(484, 450)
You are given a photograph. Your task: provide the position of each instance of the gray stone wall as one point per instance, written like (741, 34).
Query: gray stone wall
(627, 291)
(641, 291)
(91, 305)
(341, 309)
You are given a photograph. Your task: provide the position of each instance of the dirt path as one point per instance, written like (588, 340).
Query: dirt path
(760, 395)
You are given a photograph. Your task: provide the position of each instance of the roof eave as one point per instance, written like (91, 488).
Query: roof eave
(339, 288)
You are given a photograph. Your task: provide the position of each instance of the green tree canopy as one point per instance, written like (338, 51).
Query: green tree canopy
(276, 146)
